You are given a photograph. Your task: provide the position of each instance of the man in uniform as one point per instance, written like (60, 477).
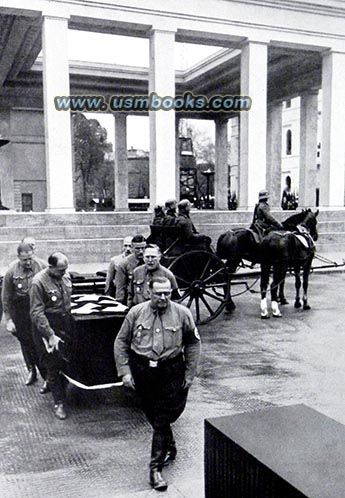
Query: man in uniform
(124, 272)
(31, 241)
(156, 353)
(188, 233)
(114, 262)
(16, 306)
(263, 221)
(170, 212)
(138, 290)
(50, 304)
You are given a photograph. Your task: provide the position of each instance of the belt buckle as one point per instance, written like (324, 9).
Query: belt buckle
(153, 363)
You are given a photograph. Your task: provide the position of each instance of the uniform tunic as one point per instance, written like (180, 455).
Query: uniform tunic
(138, 291)
(123, 277)
(50, 304)
(16, 304)
(189, 235)
(263, 219)
(158, 336)
(111, 272)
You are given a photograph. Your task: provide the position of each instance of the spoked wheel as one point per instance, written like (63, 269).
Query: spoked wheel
(203, 283)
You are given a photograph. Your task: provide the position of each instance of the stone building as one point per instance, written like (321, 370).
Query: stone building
(272, 52)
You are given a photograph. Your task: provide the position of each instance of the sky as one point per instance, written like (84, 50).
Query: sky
(113, 49)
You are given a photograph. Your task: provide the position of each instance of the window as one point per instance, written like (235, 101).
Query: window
(27, 203)
(288, 103)
(317, 197)
(288, 142)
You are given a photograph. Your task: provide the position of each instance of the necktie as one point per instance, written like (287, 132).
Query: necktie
(157, 335)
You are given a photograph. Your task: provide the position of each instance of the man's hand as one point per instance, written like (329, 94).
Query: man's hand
(53, 342)
(187, 383)
(10, 327)
(128, 381)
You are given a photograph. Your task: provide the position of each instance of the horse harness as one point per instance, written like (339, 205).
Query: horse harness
(303, 236)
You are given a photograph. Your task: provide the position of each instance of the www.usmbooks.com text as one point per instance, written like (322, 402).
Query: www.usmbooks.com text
(152, 102)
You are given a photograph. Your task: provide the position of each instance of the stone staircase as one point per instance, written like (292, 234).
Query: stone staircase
(94, 237)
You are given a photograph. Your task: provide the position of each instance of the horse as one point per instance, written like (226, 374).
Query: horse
(288, 249)
(242, 243)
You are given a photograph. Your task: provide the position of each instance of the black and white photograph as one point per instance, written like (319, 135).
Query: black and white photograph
(172, 248)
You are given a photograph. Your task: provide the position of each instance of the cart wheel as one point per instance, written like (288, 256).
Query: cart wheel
(203, 283)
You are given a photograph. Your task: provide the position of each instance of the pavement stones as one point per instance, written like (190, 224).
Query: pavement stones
(102, 449)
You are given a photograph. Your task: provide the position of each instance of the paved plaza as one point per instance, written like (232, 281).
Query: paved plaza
(102, 449)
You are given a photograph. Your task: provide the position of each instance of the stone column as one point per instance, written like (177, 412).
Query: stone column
(274, 153)
(333, 126)
(162, 123)
(177, 156)
(252, 171)
(221, 179)
(234, 154)
(58, 138)
(121, 163)
(308, 149)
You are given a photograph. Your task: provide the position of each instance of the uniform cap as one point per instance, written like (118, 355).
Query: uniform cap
(263, 195)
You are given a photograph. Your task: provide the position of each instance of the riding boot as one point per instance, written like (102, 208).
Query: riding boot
(32, 377)
(158, 452)
(171, 449)
(58, 390)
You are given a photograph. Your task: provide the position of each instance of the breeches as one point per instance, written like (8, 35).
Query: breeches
(160, 389)
(21, 319)
(53, 364)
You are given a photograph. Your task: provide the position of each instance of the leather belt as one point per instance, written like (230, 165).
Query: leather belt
(143, 360)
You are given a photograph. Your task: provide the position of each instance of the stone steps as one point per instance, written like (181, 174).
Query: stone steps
(95, 237)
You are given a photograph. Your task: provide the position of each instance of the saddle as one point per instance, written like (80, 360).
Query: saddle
(305, 239)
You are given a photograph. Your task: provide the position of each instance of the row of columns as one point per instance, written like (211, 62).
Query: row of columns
(260, 129)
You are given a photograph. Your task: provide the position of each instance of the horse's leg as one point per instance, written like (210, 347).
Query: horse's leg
(230, 305)
(264, 279)
(306, 271)
(282, 298)
(278, 278)
(297, 269)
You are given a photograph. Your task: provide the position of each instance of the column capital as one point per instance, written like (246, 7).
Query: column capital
(330, 51)
(274, 103)
(221, 120)
(312, 91)
(247, 42)
(118, 115)
(159, 30)
(56, 12)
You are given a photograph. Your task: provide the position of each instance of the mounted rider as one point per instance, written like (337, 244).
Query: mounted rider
(263, 221)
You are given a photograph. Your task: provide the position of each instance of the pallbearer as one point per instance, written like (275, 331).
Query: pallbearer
(50, 305)
(16, 305)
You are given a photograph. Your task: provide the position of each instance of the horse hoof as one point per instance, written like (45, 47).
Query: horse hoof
(265, 317)
(306, 307)
(297, 304)
(229, 308)
(228, 311)
(277, 315)
(283, 301)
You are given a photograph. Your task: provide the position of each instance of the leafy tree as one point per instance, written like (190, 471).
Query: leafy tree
(203, 147)
(93, 172)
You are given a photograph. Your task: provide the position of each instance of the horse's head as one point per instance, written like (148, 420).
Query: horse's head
(305, 218)
(310, 222)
